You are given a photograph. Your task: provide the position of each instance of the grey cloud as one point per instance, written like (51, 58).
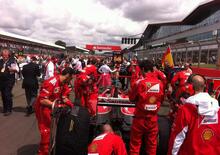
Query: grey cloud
(49, 36)
(101, 30)
(148, 14)
(41, 26)
(88, 33)
(52, 24)
(13, 16)
(26, 33)
(59, 23)
(85, 23)
(52, 30)
(46, 26)
(111, 31)
(150, 10)
(146, 10)
(113, 41)
(113, 4)
(21, 22)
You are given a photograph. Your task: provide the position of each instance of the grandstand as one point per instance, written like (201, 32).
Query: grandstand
(194, 39)
(27, 45)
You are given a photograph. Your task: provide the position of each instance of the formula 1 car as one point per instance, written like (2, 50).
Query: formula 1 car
(114, 107)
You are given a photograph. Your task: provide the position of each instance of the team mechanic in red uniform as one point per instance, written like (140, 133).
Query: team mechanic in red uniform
(54, 89)
(107, 143)
(196, 129)
(135, 72)
(181, 76)
(180, 97)
(160, 75)
(86, 90)
(148, 95)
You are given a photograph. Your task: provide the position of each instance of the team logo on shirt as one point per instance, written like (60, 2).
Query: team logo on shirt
(94, 148)
(148, 84)
(53, 81)
(150, 107)
(56, 90)
(207, 134)
(152, 99)
(154, 89)
(210, 119)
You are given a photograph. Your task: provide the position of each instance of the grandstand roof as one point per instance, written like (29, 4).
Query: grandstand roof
(26, 40)
(76, 49)
(198, 14)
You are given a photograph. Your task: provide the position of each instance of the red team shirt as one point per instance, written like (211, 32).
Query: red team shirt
(194, 134)
(107, 144)
(52, 89)
(161, 76)
(182, 77)
(149, 92)
(188, 88)
(91, 70)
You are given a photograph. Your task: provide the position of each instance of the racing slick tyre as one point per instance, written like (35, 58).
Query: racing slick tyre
(164, 134)
(73, 132)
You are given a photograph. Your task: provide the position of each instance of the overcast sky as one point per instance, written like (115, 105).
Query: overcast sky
(80, 22)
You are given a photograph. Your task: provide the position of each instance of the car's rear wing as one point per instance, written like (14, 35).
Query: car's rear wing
(112, 101)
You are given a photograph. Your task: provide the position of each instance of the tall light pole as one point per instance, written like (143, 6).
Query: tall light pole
(186, 56)
(200, 50)
(215, 34)
(176, 54)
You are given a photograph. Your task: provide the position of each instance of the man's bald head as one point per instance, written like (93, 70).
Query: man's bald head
(198, 83)
(107, 128)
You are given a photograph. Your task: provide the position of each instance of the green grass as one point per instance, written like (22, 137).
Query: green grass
(205, 65)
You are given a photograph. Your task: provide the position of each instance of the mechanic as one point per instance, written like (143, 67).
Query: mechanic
(147, 95)
(91, 96)
(181, 76)
(196, 128)
(180, 97)
(135, 71)
(107, 143)
(54, 90)
(86, 90)
(160, 75)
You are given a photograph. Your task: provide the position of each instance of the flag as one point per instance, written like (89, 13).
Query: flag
(167, 58)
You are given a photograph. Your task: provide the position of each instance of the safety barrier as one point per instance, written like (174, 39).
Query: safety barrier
(207, 72)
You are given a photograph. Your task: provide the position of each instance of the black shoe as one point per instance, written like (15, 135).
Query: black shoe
(7, 113)
(29, 110)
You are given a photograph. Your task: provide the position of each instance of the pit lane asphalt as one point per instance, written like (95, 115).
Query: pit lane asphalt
(18, 134)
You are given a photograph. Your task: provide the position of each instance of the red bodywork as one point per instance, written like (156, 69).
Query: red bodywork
(107, 109)
(213, 79)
